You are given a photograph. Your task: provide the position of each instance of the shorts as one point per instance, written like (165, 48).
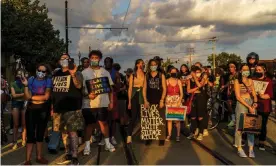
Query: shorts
(18, 104)
(68, 122)
(199, 105)
(93, 115)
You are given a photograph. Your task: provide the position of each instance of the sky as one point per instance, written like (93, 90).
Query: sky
(167, 28)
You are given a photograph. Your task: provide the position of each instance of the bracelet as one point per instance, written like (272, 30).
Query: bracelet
(26, 86)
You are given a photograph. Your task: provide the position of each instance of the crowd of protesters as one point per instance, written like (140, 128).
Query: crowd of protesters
(77, 113)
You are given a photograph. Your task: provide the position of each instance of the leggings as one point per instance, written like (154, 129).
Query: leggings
(135, 112)
(265, 116)
(36, 117)
(240, 108)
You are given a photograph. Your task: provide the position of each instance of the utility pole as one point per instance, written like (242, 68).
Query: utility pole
(66, 26)
(214, 40)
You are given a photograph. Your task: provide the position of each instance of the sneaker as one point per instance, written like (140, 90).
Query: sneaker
(27, 163)
(113, 141)
(168, 138)
(200, 137)
(93, 139)
(80, 140)
(205, 133)
(102, 142)
(251, 154)
(178, 139)
(86, 150)
(11, 131)
(75, 161)
(241, 153)
(23, 143)
(191, 136)
(108, 146)
(15, 146)
(20, 129)
(66, 160)
(261, 147)
(42, 161)
(231, 124)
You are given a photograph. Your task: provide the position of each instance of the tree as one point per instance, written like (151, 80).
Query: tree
(223, 58)
(167, 63)
(28, 33)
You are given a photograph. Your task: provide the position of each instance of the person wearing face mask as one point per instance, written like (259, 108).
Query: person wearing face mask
(18, 112)
(252, 61)
(246, 103)
(67, 102)
(174, 99)
(96, 107)
(154, 89)
(113, 115)
(37, 91)
(197, 87)
(264, 101)
(135, 95)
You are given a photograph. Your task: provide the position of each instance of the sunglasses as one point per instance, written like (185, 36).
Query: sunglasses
(41, 71)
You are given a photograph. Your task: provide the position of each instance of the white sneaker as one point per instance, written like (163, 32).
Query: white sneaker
(205, 133)
(200, 137)
(86, 150)
(231, 124)
(108, 146)
(113, 141)
(93, 139)
(80, 140)
(20, 129)
(102, 142)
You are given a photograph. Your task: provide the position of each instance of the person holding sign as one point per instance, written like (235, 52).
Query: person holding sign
(246, 103)
(154, 90)
(264, 101)
(135, 95)
(97, 101)
(174, 99)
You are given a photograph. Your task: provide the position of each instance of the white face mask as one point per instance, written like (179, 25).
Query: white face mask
(198, 75)
(64, 63)
(40, 74)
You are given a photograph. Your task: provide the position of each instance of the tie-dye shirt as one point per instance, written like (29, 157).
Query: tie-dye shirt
(38, 87)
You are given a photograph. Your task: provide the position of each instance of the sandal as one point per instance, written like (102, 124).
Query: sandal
(168, 138)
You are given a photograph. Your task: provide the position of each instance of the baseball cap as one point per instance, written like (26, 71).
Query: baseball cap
(129, 70)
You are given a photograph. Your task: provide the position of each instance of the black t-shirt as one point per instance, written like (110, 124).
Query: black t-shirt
(65, 97)
(154, 88)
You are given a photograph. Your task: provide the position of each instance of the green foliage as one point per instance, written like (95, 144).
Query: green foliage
(27, 32)
(223, 58)
(167, 63)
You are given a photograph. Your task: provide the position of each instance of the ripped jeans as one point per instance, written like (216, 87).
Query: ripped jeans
(240, 108)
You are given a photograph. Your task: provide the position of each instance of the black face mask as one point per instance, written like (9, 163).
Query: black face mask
(258, 75)
(173, 75)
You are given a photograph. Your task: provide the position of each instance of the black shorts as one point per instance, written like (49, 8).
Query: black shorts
(93, 115)
(18, 104)
(199, 105)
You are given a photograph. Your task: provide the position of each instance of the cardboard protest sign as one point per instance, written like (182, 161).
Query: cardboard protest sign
(98, 85)
(176, 113)
(153, 123)
(260, 86)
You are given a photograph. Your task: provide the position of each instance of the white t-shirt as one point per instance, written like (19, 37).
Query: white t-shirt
(101, 100)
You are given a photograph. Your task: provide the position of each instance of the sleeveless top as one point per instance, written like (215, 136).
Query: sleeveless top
(154, 88)
(173, 90)
(245, 89)
(66, 97)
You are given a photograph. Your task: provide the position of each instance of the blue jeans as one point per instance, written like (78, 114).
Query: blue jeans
(240, 108)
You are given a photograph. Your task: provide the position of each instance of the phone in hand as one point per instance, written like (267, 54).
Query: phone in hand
(71, 64)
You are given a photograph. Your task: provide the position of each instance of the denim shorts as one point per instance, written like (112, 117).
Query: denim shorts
(18, 104)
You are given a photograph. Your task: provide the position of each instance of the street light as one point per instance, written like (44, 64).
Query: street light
(79, 55)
